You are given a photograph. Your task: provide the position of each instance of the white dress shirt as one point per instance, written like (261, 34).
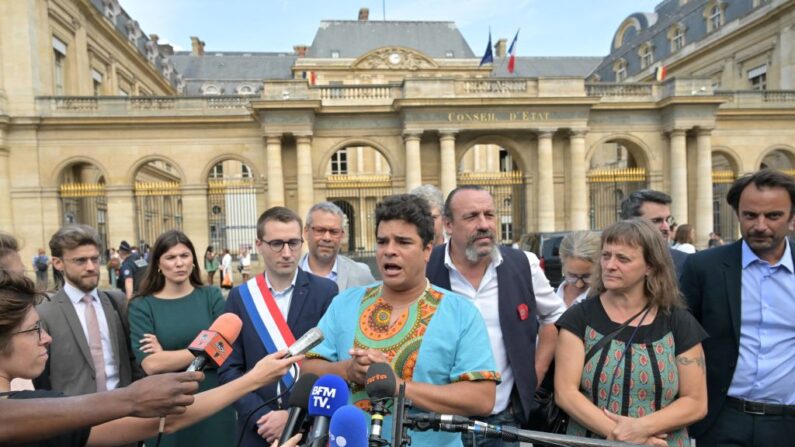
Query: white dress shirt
(111, 363)
(332, 275)
(283, 297)
(548, 305)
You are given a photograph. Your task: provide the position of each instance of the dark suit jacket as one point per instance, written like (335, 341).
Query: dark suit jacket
(712, 285)
(311, 298)
(519, 330)
(70, 368)
(679, 258)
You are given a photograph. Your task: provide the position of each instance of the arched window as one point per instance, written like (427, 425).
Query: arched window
(714, 15)
(210, 89)
(620, 69)
(646, 54)
(676, 36)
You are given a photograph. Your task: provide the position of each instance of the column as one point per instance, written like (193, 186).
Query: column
(413, 162)
(545, 188)
(273, 154)
(703, 187)
(679, 175)
(578, 205)
(195, 219)
(6, 215)
(306, 182)
(447, 176)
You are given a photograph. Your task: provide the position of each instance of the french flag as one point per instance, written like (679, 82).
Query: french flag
(512, 52)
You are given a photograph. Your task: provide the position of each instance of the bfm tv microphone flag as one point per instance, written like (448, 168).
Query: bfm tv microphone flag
(512, 52)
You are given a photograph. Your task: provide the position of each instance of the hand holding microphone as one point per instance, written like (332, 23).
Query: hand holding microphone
(273, 366)
(214, 345)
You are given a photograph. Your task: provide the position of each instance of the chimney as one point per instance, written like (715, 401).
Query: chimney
(196, 46)
(300, 50)
(154, 38)
(166, 49)
(500, 48)
(364, 14)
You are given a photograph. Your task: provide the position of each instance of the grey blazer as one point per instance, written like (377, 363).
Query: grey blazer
(349, 272)
(70, 369)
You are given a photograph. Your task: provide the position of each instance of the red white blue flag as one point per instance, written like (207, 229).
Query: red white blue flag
(268, 321)
(512, 52)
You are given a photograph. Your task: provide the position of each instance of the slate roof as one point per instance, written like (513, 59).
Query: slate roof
(234, 66)
(353, 38)
(532, 67)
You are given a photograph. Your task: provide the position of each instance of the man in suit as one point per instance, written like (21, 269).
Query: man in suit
(300, 299)
(324, 231)
(655, 206)
(742, 294)
(90, 351)
(510, 291)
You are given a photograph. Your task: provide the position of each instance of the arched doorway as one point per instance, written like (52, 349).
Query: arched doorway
(491, 166)
(357, 178)
(780, 159)
(232, 207)
(615, 171)
(724, 172)
(82, 198)
(158, 201)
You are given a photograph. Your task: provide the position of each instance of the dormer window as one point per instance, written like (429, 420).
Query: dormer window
(210, 89)
(714, 15)
(646, 54)
(620, 69)
(449, 54)
(676, 36)
(335, 54)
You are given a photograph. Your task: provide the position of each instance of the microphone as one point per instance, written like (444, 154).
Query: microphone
(299, 401)
(433, 421)
(380, 385)
(348, 427)
(328, 394)
(309, 340)
(215, 344)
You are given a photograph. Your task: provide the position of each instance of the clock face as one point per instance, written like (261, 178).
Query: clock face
(394, 58)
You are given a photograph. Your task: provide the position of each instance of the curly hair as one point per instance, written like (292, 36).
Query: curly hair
(410, 208)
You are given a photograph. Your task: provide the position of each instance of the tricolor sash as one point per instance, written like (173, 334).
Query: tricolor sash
(267, 319)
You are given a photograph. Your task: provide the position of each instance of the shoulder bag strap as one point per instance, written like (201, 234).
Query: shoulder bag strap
(609, 337)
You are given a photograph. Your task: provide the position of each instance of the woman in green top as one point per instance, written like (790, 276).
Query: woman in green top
(171, 308)
(210, 264)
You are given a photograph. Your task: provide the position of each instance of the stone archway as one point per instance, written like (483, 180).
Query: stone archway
(158, 200)
(616, 169)
(359, 175)
(82, 198)
(724, 172)
(231, 206)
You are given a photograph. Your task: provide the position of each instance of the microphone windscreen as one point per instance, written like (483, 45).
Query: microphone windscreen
(380, 381)
(228, 325)
(348, 428)
(328, 394)
(299, 396)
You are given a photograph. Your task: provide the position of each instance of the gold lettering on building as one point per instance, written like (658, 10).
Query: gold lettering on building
(485, 117)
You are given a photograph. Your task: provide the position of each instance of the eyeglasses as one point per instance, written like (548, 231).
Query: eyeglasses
(334, 232)
(659, 220)
(37, 328)
(572, 279)
(82, 261)
(278, 245)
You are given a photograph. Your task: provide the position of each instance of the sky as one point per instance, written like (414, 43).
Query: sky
(547, 27)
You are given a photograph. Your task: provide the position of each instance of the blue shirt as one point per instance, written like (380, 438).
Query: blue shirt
(766, 366)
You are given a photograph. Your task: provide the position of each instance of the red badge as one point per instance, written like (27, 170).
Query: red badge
(523, 311)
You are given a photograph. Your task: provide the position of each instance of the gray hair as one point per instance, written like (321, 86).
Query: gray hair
(431, 194)
(583, 245)
(327, 207)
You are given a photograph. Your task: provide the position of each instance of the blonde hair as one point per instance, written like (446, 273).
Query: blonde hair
(661, 288)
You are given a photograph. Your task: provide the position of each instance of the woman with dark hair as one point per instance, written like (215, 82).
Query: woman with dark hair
(23, 354)
(171, 307)
(210, 264)
(629, 361)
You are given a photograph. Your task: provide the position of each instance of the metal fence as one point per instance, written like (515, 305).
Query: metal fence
(607, 188)
(357, 196)
(723, 220)
(86, 203)
(158, 208)
(508, 190)
(232, 214)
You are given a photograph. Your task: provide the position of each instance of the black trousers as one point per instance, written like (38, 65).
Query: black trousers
(736, 428)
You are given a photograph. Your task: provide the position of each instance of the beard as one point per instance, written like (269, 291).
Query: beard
(473, 253)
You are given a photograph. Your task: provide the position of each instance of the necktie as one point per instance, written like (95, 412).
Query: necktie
(95, 343)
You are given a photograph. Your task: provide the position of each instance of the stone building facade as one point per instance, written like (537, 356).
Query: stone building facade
(100, 124)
